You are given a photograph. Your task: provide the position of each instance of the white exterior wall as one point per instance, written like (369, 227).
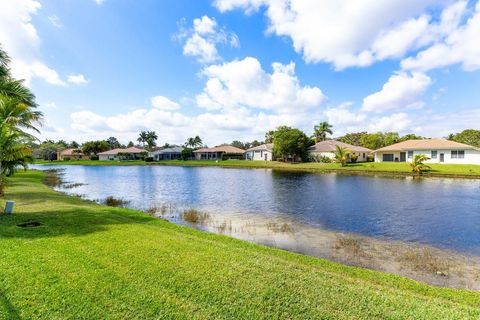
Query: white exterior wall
(471, 156)
(362, 156)
(259, 155)
(107, 157)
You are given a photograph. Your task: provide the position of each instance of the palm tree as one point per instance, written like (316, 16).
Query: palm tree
(194, 142)
(320, 131)
(341, 155)
(17, 114)
(142, 138)
(150, 139)
(418, 166)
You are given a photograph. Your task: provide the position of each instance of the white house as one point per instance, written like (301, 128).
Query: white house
(327, 149)
(262, 152)
(132, 153)
(438, 150)
(172, 153)
(219, 153)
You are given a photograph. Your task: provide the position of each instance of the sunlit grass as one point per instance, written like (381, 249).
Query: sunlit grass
(87, 261)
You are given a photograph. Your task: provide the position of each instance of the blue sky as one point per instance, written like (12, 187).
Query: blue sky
(234, 69)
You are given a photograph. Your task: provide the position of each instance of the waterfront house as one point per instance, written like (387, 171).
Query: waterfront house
(327, 149)
(132, 153)
(261, 152)
(71, 154)
(438, 150)
(219, 153)
(171, 153)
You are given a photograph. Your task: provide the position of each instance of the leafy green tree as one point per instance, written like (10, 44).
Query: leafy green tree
(187, 153)
(113, 143)
(130, 144)
(354, 138)
(320, 131)
(418, 166)
(74, 145)
(290, 143)
(411, 136)
(373, 141)
(469, 136)
(269, 136)
(95, 147)
(341, 155)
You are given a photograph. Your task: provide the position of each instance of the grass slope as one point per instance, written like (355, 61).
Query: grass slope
(93, 262)
(467, 170)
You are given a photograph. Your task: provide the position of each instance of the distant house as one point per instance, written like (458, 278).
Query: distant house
(71, 154)
(327, 149)
(262, 152)
(219, 153)
(172, 153)
(132, 153)
(438, 150)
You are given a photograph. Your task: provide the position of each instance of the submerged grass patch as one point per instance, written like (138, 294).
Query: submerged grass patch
(194, 216)
(111, 201)
(89, 261)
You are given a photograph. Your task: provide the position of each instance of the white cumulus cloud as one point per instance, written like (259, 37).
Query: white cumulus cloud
(402, 90)
(77, 79)
(202, 40)
(243, 83)
(164, 103)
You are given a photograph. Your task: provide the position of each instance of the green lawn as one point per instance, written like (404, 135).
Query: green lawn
(366, 167)
(93, 262)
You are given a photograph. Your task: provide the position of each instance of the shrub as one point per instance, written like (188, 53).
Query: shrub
(187, 153)
(149, 159)
(66, 159)
(194, 216)
(353, 158)
(370, 158)
(114, 202)
(94, 158)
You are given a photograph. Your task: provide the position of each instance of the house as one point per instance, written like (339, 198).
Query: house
(132, 153)
(438, 150)
(262, 152)
(327, 149)
(71, 154)
(219, 153)
(172, 153)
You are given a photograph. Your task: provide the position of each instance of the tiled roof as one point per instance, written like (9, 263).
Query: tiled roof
(71, 152)
(426, 144)
(225, 149)
(263, 147)
(121, 150)
(330, 146)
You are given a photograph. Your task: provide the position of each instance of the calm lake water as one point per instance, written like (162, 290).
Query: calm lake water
(444, 213)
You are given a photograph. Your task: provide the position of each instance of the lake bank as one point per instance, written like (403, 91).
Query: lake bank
(366, 168)
(87, 260)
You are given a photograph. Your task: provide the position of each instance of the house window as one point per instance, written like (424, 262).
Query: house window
(434, 154)
(364, 155)
(458, 154)
(387, 157)
(410, 154)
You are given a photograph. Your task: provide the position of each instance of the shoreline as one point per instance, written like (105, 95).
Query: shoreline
(362, 168)
(105, 262)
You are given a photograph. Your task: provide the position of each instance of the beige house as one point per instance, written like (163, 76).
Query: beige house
(438, 150)
(219, 153)
(261, 152)
(132, 153)
(71, 154)
(327, 149)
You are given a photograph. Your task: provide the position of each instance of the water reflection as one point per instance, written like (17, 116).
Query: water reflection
(352, 219)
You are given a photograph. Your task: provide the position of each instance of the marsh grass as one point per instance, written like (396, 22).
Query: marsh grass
(194, 216)
(161, 209)
(72, 185)
(350, 245)
(53, 177)
(426, 261)
(280, 227)
(225, 226)
(114, 202)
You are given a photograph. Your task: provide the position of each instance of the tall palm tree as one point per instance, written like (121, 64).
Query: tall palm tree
(150, 139)
(320, 131)
(341, 155)
(418, 166)
(197, 141)
(17, 114)
(142, 138)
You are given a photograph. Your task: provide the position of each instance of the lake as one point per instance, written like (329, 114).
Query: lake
(303, 212)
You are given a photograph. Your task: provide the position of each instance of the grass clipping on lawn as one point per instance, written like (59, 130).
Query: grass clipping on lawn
(97, 262)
